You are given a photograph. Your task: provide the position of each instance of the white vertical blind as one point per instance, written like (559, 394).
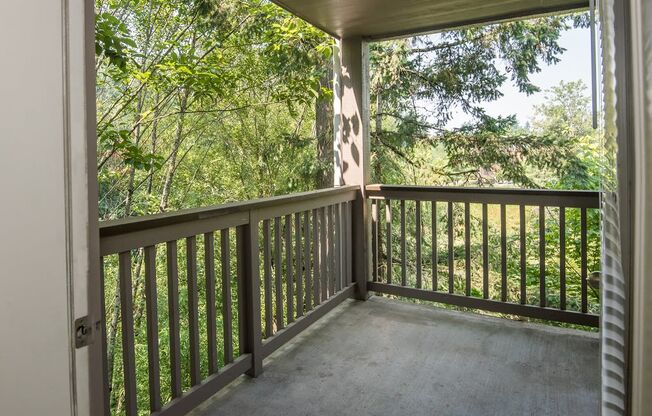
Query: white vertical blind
(613, 296)
(640, 31)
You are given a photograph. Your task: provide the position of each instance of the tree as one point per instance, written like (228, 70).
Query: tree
(418, 84)
(181, 83)
(566, 118)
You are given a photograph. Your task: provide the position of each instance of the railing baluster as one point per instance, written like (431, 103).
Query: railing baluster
(334, 246)
(523, 296)
(583, 264)
(379, 246)
(316, 267)
(485, 252)
(173, 312)
(374, 240)
(338, 247)
(542, 256)
(240, 283)
(278, 274)
(434, 254)
(306, 259)
(388, 238)
(127, 322)
(403, 245)
(323, 252)
(345, 245)
(562, 258)
(225, 253)
(503, 253)
(209, 272)
(467, 248)
(289, 278)
(193, 309)
(299, 263)
(418, 242)
(152, 329)
(267, 277)
(330, 229)
(451, 265)
(349, 247)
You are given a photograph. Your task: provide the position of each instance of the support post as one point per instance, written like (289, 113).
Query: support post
(248, 251)
(351, 153)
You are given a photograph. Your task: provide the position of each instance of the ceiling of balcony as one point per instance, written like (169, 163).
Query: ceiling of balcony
(381, 19)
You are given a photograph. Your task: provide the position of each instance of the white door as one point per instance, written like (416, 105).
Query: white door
(46, 239)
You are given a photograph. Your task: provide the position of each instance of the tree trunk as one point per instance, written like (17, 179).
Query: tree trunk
(157, 113)
(378, 133)
(324, 131)
(169, 173)
(378, 179)
(132, 168)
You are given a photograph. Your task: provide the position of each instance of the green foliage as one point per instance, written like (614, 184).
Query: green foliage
(119, 141)
(112, 40)
(490, 146)
(565, 118)
(188, 85)
(419, 84)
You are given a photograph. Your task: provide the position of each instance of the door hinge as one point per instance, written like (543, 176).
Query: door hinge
(84, 332)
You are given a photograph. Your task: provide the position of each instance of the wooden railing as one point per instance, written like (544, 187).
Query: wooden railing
(290, 263)
(433, 277)
(255, 274)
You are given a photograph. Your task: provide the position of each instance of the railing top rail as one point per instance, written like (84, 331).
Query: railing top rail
(129, 233)
(475, 190)
(548, 197)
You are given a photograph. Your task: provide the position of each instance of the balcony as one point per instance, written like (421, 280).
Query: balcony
(385, 357)
(275, 289)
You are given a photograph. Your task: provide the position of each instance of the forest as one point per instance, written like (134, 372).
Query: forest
(203, 102)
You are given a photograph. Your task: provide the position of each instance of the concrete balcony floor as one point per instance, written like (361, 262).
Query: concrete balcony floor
(385, 357)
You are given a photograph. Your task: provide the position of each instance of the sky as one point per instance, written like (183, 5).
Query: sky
(575, 65)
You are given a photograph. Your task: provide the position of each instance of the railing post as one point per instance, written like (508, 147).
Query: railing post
(359, 244)
(248, 251)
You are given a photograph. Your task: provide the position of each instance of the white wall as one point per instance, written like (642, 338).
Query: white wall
(43, 206)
